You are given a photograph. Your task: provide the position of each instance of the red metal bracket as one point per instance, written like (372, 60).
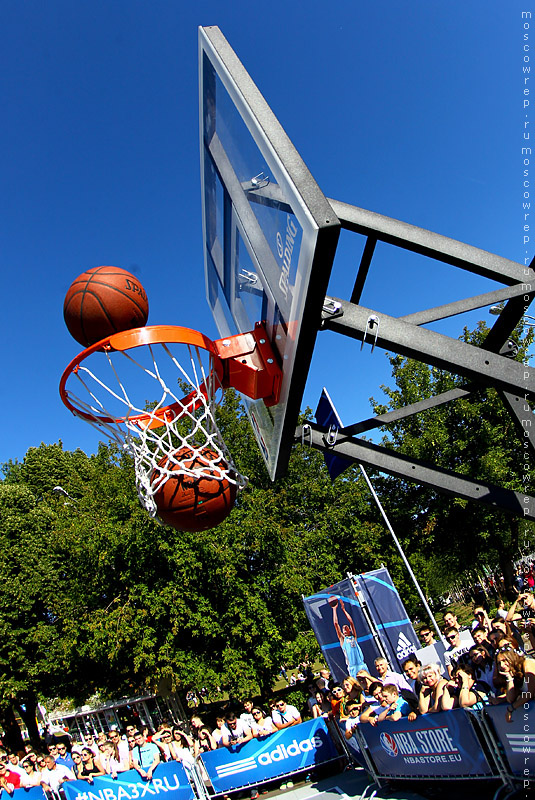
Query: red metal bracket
(249, 365)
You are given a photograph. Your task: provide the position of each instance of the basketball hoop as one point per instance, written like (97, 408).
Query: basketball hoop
(176, 377)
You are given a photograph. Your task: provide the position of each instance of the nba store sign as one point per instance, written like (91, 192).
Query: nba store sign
(432, 745)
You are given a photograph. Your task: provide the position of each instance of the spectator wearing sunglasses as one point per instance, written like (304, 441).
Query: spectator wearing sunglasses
(427, 636)
(263, 726)
(32, 776)
(64, 757)
(457, 651)
(284, 716)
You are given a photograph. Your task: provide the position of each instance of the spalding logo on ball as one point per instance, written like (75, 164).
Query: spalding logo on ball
(102, 301)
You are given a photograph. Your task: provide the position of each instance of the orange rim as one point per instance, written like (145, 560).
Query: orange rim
(138, 337)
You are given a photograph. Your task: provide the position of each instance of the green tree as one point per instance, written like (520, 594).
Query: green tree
(475, 436)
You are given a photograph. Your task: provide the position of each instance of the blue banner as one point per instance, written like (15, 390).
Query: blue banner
(434, 745)
(336, 617)
(291, 750)
(168, 780)
(517, 737)
(32, 793)
(389, 615)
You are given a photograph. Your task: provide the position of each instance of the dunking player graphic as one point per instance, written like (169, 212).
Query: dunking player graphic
(347, 636)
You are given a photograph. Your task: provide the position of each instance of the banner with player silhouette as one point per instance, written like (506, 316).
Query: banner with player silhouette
(342, 629)
(398, 637)
(353, 629)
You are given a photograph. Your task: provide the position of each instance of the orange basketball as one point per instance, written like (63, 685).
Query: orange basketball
(188, 503)
(102, 301)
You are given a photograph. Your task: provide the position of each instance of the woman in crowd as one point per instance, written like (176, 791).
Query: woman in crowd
(432, 688)
(352, 689)
(262, 726)
(321, 705)
(518, 672)
(204, 742)
(483, 664)
(463, 691)
(111, 763)
(182, 738)
(32, 776)
(365, 681)
(90, 767)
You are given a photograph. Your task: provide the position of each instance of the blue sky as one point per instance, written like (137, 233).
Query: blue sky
(413, 110)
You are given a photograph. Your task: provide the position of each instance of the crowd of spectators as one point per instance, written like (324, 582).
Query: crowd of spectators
(484, 663)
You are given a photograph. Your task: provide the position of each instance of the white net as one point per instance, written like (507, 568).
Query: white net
(180, 422)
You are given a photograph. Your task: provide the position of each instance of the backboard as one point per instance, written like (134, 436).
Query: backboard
(269, 235)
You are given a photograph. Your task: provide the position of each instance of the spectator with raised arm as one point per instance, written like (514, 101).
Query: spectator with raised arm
(464, 691)
(524, 614)
(518, 673)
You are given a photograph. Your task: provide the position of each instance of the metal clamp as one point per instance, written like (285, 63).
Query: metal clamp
(331, 436)
(331, 309)
(372, 323)
(306, 431)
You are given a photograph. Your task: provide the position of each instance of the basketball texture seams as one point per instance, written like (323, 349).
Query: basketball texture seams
(103, 301)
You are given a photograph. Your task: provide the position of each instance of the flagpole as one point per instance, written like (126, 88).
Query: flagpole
(402, 554)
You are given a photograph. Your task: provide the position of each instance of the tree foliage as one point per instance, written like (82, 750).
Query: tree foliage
(475, 437)
(97, 596)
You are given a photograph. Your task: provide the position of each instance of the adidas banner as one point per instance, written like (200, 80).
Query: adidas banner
(517, 737)
(169, 781)
(286, 752)
(442, 744)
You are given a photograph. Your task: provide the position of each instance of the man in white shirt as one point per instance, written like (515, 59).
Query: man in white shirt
(54, 775)
(457, 652)
(236, 731)
(14, 764)
(284, 716)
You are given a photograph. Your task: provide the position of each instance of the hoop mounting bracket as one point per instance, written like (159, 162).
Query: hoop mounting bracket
(249, 365)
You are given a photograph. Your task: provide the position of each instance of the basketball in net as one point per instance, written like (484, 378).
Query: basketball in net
(103, 301)
(190, 489)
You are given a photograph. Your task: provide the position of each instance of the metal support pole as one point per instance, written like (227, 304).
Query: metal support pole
(400, 550)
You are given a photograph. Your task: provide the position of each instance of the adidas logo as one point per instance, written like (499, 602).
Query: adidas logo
(404, 647)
